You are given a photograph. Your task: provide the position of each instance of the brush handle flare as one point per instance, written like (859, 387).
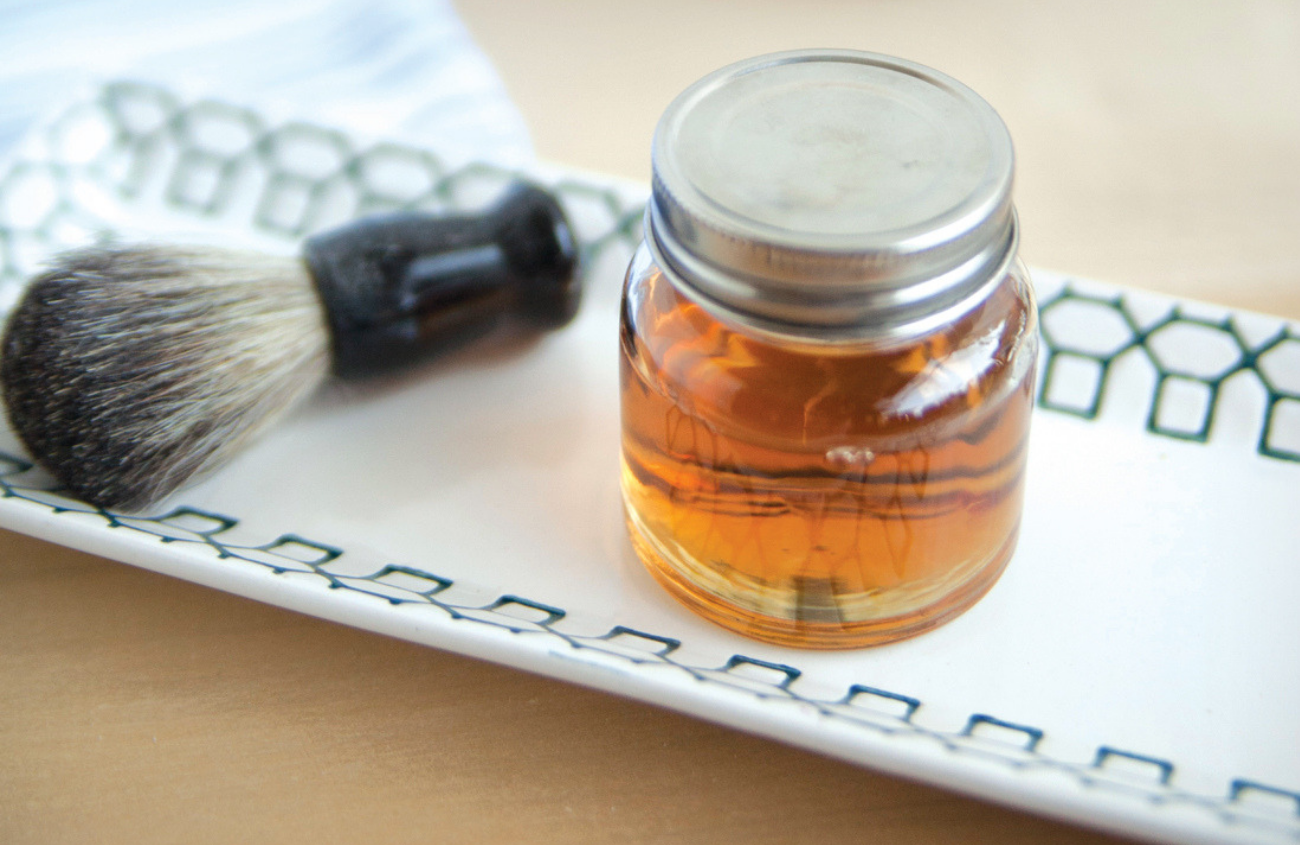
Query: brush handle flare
(399, 287)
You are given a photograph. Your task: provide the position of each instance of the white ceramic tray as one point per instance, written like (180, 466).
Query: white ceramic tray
(1135, 669)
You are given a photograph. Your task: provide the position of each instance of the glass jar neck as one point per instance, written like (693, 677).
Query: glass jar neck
(838, 312)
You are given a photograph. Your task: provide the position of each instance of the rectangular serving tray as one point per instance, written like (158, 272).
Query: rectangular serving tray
(1135, 669)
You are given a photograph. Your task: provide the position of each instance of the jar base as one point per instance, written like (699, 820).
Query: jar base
(802, 633)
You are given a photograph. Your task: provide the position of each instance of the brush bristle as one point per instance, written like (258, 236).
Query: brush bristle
(129, 371)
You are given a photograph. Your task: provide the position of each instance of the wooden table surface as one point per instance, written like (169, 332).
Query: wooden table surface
(1157, 147)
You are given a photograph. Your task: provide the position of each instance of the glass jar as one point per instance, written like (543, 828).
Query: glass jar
(828, 347)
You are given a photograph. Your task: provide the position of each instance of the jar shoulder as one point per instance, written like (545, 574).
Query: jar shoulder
(726, 374)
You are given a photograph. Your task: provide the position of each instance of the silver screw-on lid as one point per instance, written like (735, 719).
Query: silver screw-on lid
(832, 195)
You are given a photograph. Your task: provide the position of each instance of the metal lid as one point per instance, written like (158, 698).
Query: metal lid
(832, 195)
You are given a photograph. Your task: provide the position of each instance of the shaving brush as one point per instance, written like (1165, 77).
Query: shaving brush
(129, 370)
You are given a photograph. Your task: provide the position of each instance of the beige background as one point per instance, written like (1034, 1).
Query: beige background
(1158, 142)
(1158, 147)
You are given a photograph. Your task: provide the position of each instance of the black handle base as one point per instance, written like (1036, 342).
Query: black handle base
(398, 288)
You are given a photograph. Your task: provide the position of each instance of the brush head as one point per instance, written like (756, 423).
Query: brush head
(128, 371)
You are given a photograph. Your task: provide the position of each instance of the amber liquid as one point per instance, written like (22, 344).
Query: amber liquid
(824, 498)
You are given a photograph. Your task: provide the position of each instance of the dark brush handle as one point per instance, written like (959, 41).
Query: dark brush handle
(399, 287)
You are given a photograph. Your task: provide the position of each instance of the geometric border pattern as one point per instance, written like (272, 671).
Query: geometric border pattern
(207, 149)
(293, 198)
(1146, 340)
